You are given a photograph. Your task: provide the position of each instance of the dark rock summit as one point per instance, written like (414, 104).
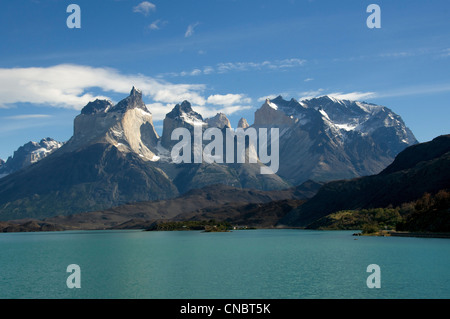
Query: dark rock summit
(98, 106)
(134, 100)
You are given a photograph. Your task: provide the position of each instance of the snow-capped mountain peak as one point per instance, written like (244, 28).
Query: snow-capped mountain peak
(28, 154)
(341, 116)
(270, 104)
(321, 134)
(182, 115)
(184, 112)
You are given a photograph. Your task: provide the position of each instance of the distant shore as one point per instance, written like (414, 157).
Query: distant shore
(206, 226)
(419, 234)
(393, 233)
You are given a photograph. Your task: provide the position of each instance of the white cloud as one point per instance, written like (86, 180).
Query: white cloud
(264, 98)
(226, 67)
(288, 63)
(228, 99)
(445, 53)
(192, 73)
(144, 7)
(360, 96)
(306, 95)
(246, 66)
(159, 110)
(396, 54)
(217, 103)
(190, 30)
(207, 111)
(196, 72)
(424, 89)
(70, 86)
(353, 96)
(208, 70)
(27, 116)
(237, 66)
(154, 25)
(157, 24)
(308, 80)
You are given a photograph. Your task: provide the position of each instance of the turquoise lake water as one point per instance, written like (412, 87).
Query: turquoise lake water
(272, 264)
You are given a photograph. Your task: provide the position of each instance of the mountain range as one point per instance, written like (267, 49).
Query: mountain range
(416, 184)
(326, 139)
(115, 155)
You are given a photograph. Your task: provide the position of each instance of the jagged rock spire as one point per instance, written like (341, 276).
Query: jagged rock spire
(134, 100)
(184, 109)
(182, 115)
(243, 123)
(220, 120)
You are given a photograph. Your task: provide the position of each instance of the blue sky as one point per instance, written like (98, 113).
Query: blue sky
(221, 55)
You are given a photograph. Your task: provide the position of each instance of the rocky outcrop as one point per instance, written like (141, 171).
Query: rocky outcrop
(220, 120)
(243, 123)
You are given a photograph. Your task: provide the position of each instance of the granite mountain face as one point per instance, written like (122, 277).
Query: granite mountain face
(128, 126)
(115, 155)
